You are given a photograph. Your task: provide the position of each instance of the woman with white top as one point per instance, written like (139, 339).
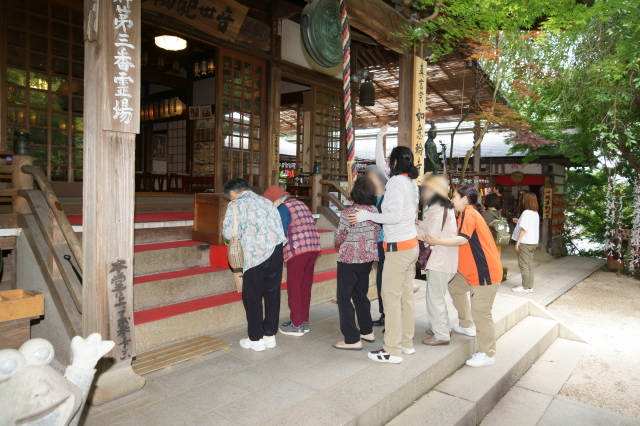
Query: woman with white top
(526, 236)
(398, 217)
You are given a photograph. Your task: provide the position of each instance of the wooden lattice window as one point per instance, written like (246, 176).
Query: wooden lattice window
(328, 135)
(42, 80)
(177, 147)
(243, 116)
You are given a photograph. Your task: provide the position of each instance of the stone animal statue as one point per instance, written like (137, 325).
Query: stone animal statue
(33, 393)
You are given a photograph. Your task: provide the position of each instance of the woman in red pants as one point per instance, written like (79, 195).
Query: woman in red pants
(300, 254)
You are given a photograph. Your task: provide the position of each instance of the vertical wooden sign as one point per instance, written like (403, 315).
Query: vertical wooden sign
(547, 208)
(418, 126)
(122, 61)
(120, 289)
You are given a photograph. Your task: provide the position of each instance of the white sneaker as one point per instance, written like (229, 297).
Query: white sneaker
(471, 331)
(258, 346)
(480, 359)
(521, 289)
(270, 341)
(382, 356)
(408, 351)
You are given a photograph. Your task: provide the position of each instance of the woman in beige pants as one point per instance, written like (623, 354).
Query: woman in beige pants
(398, 217)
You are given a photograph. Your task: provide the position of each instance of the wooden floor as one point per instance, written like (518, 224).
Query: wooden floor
(167, 356)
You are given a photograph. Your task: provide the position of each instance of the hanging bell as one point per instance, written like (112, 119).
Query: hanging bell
(367, 93)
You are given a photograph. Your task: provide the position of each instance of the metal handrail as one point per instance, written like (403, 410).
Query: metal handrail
(56, 209)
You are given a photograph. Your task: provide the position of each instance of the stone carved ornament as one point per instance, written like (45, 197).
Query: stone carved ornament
(33, 393)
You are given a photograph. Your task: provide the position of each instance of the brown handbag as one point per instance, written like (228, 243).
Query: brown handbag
(425, 249)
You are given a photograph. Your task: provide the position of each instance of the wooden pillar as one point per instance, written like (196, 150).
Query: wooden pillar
(405, 100)
(308, 126)
(112, 120)
(273, 144)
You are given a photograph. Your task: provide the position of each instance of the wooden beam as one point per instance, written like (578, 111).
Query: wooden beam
(446, 113)
(379, 21)
(240, 45)
(158, 77)
(297, 73)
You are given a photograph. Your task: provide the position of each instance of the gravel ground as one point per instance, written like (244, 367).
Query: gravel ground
(605, 310)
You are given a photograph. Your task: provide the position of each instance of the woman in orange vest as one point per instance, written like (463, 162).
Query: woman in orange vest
(479, 263)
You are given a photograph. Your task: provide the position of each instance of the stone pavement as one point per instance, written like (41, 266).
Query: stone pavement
(243, 387)
(554, 278)
(535, 401)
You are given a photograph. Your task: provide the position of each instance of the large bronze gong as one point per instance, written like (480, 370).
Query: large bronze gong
(322, 32)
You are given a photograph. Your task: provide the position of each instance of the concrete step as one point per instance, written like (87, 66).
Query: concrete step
(186, 254)
(467, 396)
(211, 315)
(527, 401)
(380, 392)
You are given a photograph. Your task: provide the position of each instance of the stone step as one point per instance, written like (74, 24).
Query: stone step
(380, 392)
(211, 315)
(469, 394)
(527, 401)
(186, 254)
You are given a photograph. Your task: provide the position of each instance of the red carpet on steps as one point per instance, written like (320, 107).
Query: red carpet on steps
(76, 219)
(155, 314)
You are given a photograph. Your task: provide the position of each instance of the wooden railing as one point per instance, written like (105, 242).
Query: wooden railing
(320, 197)
(54, 244)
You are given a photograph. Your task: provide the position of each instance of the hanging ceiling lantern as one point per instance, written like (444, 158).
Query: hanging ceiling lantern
(168, 42)
(145, 58)
(367, 93)
(161, 63)
(196, 69)
(211, 67)
(176, 67)
(203, 68)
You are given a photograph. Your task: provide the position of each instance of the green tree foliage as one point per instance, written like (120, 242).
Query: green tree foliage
(585, 204)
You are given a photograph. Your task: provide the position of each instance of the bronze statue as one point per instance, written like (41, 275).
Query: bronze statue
(431, 159)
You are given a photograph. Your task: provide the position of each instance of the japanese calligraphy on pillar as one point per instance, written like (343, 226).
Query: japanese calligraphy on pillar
(547, 208)
(276, 152)
(121, 308)
(419, 110)
(219, 18)
(122, 56)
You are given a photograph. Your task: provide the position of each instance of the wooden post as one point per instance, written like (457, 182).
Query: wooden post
(405, 100)
(19, 179)
(273, 158)
(316, 188)
(112, 120)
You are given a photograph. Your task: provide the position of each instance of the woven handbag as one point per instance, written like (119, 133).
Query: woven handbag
(425, 249)
(234, 251)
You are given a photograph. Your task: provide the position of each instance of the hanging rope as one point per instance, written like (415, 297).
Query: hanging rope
(346, 93)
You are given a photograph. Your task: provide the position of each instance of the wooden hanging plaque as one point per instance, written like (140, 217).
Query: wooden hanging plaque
(219, 18)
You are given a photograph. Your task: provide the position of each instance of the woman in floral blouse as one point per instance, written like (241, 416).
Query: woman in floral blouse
(358, 250)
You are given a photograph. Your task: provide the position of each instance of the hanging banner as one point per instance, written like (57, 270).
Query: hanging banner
(547, 208)
(419, 108)
(219, 18)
